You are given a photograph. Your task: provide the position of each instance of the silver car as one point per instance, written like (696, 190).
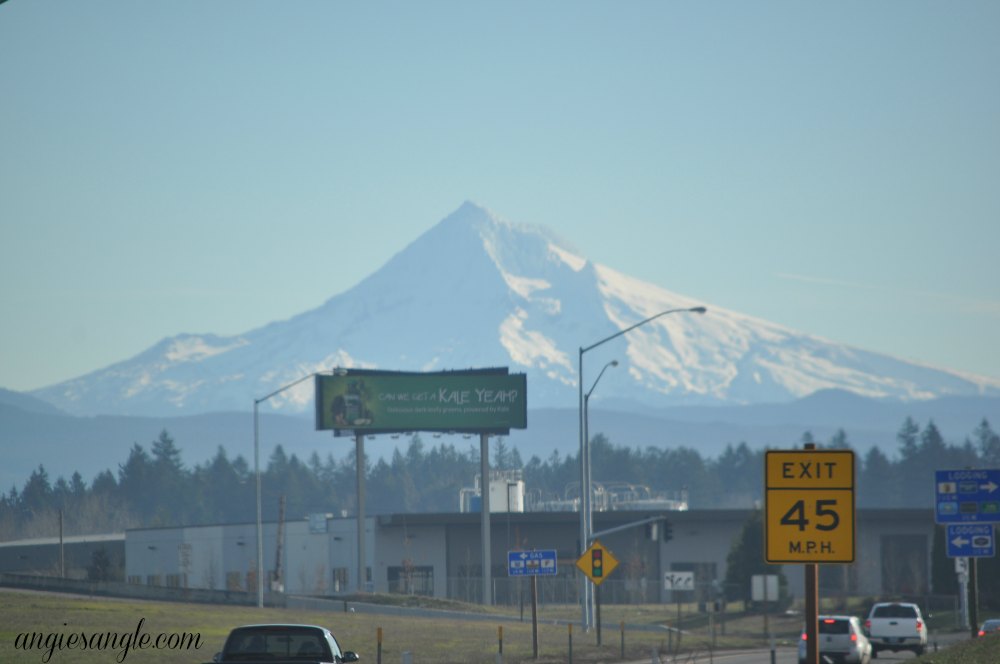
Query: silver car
(841, 639)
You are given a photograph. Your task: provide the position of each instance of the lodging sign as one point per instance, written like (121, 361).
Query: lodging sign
(967, 496)
(365, 401)
(809, 506)
(970, 540)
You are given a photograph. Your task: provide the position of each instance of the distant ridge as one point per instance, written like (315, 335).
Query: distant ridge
(65, 444)
(27, 403)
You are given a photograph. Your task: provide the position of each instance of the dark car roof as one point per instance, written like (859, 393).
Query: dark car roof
(281, 626)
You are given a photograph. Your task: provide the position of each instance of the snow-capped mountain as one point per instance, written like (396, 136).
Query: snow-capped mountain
(477, 291)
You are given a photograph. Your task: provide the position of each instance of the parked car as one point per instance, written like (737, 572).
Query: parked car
(842, 639)
(989, 626)
(896, 626)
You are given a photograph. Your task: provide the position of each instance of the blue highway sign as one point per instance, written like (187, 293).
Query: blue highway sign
(967, 496)
(531, 563)
(973, 540)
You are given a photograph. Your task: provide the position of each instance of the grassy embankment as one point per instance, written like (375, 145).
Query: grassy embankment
(429, 639)
(979, 651)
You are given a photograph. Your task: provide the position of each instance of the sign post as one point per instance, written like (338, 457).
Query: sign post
(962, 572)
(676, 582)
(764, 588)
(533, 564)
(597, 563)
(809, 518)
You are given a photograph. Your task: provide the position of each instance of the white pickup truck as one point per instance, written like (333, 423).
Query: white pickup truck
(896, 626)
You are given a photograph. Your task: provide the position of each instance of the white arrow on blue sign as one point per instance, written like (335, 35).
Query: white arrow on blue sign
(967, 496)
(531, 563)
(973, 540)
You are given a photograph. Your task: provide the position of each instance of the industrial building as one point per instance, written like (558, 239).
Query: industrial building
(439, 555)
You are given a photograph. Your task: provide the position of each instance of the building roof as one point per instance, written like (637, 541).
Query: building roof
(72, 539)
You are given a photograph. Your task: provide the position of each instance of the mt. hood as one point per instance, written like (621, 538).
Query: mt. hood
(478, 291)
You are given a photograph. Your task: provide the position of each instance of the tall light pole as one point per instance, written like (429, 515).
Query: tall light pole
(586, 525)
(256, 470)
(588, 500)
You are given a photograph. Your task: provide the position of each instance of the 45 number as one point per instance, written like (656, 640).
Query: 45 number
(826, 517)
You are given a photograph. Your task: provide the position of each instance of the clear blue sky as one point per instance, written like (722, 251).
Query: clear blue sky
(210, 167)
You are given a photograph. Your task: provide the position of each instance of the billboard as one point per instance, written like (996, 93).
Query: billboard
(366, 401)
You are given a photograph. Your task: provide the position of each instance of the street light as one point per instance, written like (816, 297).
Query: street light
(586, 525)
(586, 499)
(256, 470)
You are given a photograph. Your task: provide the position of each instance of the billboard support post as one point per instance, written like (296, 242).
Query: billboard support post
(484, 507)
(359, 461)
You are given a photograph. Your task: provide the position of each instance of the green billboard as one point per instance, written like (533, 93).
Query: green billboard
(367, 401)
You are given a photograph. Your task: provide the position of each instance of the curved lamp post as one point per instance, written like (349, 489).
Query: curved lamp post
(586, 499)
(586, 525)
(256, 470)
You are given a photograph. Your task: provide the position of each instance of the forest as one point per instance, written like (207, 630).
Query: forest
(154, 487)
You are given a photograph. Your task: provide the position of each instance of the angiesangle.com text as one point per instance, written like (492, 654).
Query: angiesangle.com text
(119, 643)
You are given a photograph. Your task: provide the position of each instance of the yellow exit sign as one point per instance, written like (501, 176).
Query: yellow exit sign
(809, 506)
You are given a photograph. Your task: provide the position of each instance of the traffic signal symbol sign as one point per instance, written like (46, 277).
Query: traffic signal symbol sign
(597, 562)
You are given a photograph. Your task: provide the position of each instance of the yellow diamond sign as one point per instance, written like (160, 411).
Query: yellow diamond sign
(597, 563)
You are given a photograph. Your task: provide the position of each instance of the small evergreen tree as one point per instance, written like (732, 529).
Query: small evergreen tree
(839, 441)
(100, 568)
(988, 445)
(907, 439)
(746, 558)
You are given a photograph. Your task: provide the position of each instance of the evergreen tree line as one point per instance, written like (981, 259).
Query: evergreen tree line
(154, 488)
